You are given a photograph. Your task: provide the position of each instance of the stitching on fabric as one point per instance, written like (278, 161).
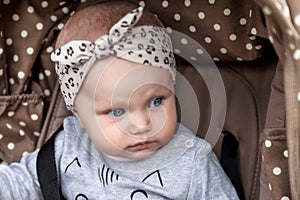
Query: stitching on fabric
(30, 98)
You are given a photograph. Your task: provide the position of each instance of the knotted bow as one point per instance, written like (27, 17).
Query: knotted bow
(147, 45)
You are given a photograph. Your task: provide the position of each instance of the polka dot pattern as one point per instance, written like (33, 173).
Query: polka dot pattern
(22, 117)
(32, 21)
(216, 33)
(282, 22)
(275, 154)
(27, 42)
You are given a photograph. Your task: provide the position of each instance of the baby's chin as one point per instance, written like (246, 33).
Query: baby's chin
(141, 156)
(131, 156)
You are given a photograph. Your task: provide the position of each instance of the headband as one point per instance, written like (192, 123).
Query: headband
(146, 45)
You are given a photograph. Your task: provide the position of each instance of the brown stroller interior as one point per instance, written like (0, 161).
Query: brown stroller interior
(253, 44)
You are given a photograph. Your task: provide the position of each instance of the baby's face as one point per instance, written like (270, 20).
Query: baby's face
(128, 109)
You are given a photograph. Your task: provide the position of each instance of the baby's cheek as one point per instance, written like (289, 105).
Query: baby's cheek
(113, 137)
(107, 145)
(171, 122)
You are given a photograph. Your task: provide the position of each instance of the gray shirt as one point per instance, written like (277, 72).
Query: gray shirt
(185, 168)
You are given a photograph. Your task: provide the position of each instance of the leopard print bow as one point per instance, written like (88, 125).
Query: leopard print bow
(147, 45)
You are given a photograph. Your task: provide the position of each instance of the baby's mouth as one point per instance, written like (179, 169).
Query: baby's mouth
(140, 146)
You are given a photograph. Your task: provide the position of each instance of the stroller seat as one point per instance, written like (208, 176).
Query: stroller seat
(253, 44)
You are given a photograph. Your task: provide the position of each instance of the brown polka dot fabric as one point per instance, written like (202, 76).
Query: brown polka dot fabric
(19, 133)
(232, 32)
(26, 73)
(228, 30)
(283, 25)
(275, 163)
(25, 36)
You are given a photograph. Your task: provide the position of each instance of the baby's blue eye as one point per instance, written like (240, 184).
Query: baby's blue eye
(155, 102)
(116, 112)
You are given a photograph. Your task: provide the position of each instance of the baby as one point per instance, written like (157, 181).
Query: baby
(117, 75)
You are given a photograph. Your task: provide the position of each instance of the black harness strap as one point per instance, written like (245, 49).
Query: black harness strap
(229, 162)
(47, 172)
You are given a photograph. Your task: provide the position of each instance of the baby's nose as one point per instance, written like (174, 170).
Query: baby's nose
(140, 122)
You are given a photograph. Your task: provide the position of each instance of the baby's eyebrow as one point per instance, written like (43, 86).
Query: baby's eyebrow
(105, 104)
(159, 89)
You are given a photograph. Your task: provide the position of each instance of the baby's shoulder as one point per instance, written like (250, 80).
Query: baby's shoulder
(197, 146)
(69, 133)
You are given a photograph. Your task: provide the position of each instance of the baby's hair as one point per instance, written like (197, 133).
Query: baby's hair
(95, 20)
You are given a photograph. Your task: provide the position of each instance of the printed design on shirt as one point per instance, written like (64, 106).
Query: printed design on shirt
(152, 178)
(106, 175)
(76, 161)
(138, 191)
(81, 197)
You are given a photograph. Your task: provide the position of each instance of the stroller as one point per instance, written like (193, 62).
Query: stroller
(253, 44)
